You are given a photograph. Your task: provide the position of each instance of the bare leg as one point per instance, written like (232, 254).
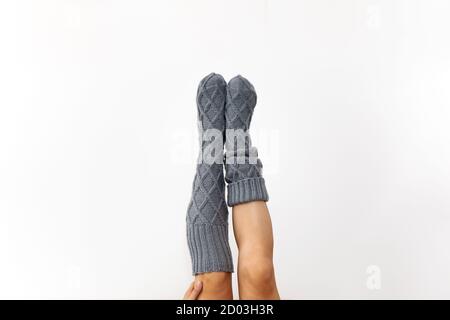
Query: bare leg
(216, 286)
(254, 237)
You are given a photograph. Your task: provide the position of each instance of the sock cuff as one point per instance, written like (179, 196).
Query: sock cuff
(209, 248)
(247, 190)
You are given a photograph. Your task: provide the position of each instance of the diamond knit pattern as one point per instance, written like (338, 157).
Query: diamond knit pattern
(245, 181)
(207, 214)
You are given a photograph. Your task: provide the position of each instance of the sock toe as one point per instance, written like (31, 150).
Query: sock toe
(212, 79)
(241, 83)
(211, 97)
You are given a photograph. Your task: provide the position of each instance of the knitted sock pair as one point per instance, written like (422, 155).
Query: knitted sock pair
(224, 113)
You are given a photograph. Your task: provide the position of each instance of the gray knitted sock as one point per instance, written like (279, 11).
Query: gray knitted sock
(243, 168)
(207, 215)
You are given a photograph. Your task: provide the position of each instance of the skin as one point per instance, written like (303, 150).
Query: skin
(216, 286)
(254, 237)
(193, 291)
(256, 277)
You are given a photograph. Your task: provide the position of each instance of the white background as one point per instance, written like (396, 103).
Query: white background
(98, 142)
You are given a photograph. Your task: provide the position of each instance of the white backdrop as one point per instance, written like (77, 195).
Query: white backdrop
(98, 142)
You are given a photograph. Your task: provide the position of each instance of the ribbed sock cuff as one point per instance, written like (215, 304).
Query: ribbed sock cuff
(209, 248)
(247, 190)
